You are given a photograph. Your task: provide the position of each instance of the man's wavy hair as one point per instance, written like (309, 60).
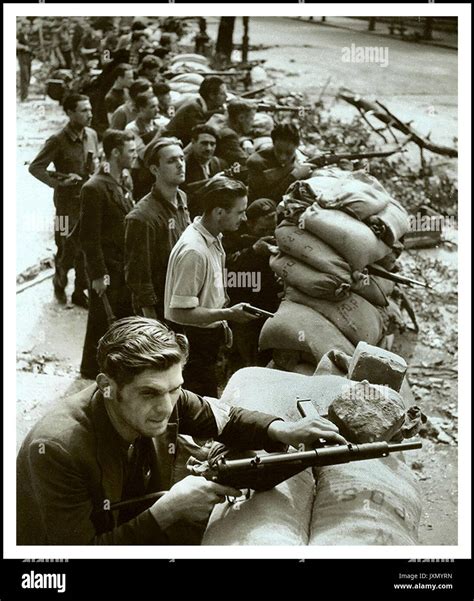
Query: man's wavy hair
(134, 344)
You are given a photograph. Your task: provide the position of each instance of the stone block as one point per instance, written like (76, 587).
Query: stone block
(377, 366)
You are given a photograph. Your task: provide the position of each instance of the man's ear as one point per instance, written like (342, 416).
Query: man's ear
(103, 382)
(116, 153)
(154, 170)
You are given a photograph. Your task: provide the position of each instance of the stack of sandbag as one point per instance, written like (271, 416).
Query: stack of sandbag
(334, 225)
(373, 502)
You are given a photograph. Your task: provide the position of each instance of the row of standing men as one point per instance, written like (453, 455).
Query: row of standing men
(150, 258)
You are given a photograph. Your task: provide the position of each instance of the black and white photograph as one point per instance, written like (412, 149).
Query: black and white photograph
(241, 272)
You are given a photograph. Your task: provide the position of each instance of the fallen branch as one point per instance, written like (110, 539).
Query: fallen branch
(382, 113)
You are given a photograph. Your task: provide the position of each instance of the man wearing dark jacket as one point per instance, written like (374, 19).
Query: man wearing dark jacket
(74, 152)
(105, 201)
(236, 132)
(154, 226)
(250, 279)
(272, 170)
(119, 440)
(211, 99)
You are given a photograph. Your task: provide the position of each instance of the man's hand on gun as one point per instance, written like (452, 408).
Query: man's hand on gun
(191, 499)
(239, 315)
(307, 431)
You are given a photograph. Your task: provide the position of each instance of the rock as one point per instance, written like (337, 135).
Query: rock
(417, 465)
(367, 413)
(378, 366)
(443, 437)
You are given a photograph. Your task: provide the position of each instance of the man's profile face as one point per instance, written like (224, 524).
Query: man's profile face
(150, 111)
(171, 169)
(231, 219)
(204, 147)
(82, 114)
(127, 78)
(263, 225)
(284, 151)
(128, 154)
(164, 102)
(143, 407)
(218, 99)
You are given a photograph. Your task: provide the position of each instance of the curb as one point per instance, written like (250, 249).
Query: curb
(434, 44)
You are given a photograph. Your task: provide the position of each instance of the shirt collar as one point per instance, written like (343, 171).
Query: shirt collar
(208, 237)
(158, 196)
(72, 133)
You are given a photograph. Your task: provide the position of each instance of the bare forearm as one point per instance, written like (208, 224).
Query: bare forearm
(200, 316)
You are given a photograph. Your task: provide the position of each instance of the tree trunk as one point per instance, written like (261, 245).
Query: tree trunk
(224, 42)
(245, 40)
(428, 29)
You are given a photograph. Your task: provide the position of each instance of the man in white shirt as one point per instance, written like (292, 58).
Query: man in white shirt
(195, 295)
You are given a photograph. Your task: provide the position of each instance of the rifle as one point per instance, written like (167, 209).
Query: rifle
(252, 93)
(323, 160)
(273, 108)
(394, 277)
(262, 472)
(232, 171)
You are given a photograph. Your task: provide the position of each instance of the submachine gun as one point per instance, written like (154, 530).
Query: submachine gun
(262, 472)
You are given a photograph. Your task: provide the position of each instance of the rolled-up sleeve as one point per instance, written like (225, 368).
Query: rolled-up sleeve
(187, 277)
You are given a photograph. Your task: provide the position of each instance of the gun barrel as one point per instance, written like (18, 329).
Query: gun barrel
(404, 446)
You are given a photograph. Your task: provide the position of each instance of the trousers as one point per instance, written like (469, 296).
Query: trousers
(200, 371)
(68, 250)
(118, 296)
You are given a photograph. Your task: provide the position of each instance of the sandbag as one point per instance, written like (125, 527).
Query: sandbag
(193, 78)
(189, 57)
(184, 87)
(275, 392)
(314, 283)
(377, 291)
(300, 328)
(354, 316)
(305, 369)
(351, 192)
(390, 224)
(262, 125)
(374, 502)
(286, 359)
(302, 245)
(351, 238)
(280, 516)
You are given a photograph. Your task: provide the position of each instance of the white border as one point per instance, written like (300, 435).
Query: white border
(462, 550)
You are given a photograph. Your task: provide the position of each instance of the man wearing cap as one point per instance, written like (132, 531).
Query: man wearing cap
(154, 226)
(195, 291)
(272, 169)
(250, 279)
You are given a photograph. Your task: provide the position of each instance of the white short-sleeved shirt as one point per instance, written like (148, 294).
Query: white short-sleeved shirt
(195, 275)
